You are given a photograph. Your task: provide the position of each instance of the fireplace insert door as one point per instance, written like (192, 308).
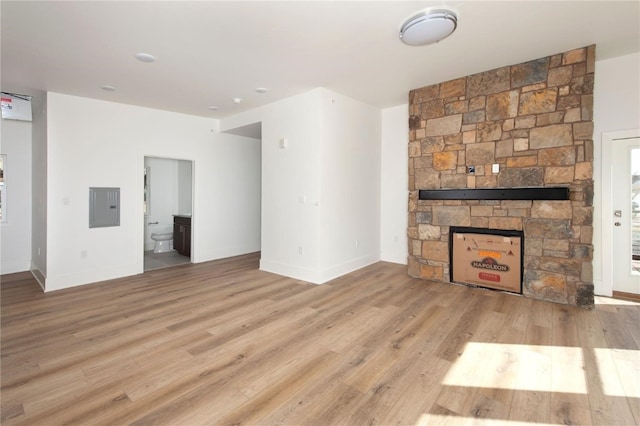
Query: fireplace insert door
(487, 258)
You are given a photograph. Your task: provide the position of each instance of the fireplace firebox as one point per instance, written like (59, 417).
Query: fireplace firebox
(489, 258)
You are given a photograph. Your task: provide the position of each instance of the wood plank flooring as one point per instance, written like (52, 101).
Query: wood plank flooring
(222, 343)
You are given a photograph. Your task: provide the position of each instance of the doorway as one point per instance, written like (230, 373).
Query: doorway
(623, 218)
(168, 205)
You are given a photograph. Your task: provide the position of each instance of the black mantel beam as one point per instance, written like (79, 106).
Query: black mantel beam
(538, 193)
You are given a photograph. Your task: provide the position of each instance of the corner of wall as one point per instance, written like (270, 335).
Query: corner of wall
(394, 184)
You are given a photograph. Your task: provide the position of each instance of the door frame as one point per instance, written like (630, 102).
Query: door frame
(608, 139)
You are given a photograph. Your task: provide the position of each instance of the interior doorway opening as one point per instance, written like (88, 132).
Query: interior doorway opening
(168, 207)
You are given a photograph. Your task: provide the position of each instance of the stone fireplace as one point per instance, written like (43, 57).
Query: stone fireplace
(521, 126)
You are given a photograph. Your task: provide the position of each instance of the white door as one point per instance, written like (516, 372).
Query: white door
(626, 215)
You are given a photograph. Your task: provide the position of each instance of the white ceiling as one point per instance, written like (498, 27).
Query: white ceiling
(209, 52)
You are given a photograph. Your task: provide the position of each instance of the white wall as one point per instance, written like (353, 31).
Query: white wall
(349, 185)
(313, 191)
(394, 188)
(233, 197)
(616, 107)
(15, 229)
(290, 183)
(97, 143)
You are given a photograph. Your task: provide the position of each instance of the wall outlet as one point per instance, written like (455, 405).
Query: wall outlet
(300, 250)
(357, 243)
(495, 168)
(83, 254)
(471, 170)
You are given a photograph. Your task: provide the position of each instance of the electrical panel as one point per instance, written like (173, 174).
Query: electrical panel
(104, 207)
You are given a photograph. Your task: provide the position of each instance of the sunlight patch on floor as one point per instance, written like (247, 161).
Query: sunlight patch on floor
(519, 367)
(619, 371)
(601, 300)
(442, 420)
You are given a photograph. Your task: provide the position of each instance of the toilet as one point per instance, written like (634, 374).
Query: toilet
(163, 242)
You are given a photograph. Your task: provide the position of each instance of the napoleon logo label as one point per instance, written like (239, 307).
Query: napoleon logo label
(490, 264)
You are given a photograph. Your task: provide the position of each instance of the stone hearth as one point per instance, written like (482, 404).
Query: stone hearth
(535, 121)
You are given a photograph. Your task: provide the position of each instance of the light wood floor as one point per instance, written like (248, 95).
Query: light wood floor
(223, 343)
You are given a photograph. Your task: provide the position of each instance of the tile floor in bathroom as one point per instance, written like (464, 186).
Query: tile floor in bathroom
(162, 260)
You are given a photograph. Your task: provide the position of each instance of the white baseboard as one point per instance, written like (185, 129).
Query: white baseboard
(38, 275)
(291, 271)
(316, 276)
(89, 276)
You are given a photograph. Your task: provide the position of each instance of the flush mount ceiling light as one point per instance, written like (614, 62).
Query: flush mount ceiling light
(145, 57)
(213, 107)
(428, 26)
(262, 90)
(108, 88)
(237, 100)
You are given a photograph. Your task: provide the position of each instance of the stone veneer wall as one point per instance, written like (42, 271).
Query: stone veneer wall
(534, 120)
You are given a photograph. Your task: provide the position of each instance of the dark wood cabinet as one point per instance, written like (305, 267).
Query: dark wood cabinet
(182, 235)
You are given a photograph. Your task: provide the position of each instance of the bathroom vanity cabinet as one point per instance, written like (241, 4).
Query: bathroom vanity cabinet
(182, 234)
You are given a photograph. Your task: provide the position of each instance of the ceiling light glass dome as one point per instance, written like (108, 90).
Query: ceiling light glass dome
(429, 26)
